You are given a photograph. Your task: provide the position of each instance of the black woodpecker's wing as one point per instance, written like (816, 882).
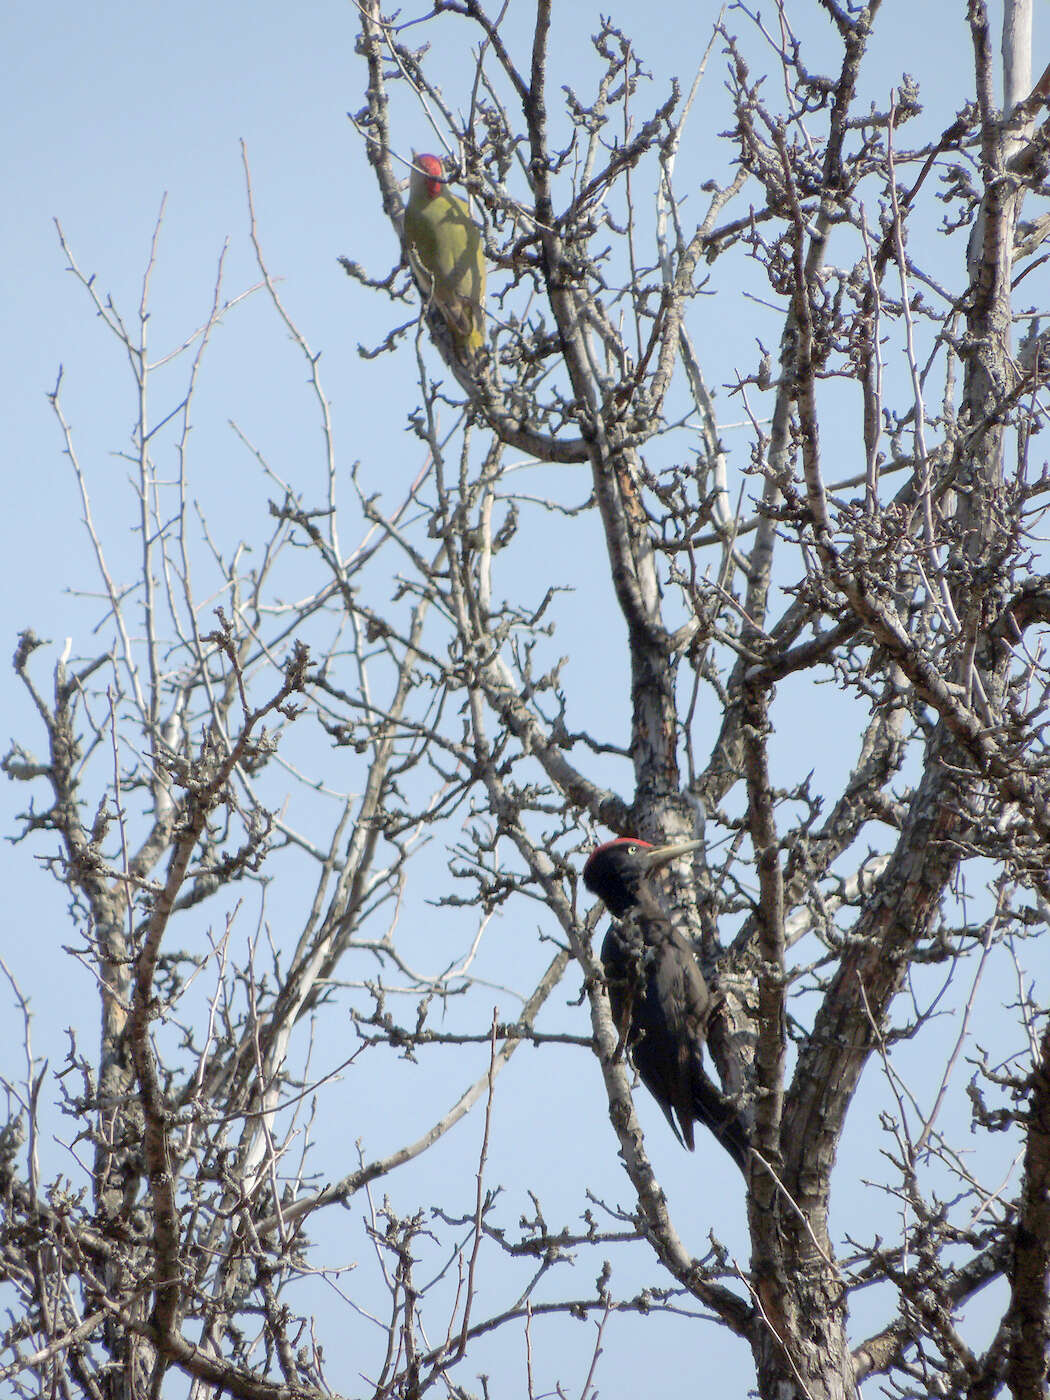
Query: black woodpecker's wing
(652, 1003)
(628, 963)
(621, 961)
(662, 1005)
(686, 1004)
(678, 1007)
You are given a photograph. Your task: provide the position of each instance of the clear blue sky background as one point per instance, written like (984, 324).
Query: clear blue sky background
(104, 112)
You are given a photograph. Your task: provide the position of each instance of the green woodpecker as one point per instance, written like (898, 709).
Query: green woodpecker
(446, 242)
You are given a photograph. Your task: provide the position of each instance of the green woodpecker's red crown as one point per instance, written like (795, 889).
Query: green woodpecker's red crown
(434, 171)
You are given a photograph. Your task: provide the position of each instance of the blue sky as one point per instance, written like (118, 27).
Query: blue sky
(107, 112)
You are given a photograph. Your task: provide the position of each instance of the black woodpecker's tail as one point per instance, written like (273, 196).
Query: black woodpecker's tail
(718, 1115)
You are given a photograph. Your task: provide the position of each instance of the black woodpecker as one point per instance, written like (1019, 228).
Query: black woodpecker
(660, 1001)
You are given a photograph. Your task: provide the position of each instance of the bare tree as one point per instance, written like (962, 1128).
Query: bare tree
(905, 571)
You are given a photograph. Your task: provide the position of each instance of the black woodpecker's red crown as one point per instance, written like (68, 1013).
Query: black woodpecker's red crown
(616, 871)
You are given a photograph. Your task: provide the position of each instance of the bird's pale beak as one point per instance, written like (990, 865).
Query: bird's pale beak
(660, 856)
